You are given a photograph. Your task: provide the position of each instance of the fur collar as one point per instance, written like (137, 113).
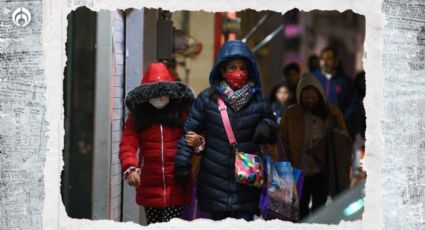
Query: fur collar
(172, 115)
(173, 90)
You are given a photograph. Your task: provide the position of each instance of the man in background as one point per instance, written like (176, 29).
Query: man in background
(292, 75)
(339, 88)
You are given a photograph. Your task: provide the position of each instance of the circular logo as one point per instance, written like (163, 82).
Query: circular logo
(21, 17)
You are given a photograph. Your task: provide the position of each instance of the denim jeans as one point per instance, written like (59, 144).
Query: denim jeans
(221, 215)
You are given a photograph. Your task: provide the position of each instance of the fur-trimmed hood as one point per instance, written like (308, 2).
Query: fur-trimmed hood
(158, 82)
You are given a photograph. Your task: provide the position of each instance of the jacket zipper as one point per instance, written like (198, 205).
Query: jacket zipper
(143, 162)
(163, 169)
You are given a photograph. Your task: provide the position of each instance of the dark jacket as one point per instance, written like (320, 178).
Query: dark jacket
(292, 131)
(217, 187)
(278, 110)
(340, 91)
(336, 161)
(291, 127)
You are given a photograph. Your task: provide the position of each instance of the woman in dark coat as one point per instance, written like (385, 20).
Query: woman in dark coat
(235, 78)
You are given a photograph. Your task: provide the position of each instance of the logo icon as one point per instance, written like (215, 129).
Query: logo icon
(21, 17)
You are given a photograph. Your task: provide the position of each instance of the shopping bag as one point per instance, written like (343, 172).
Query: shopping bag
(299, 181)
(298, 173)
(192, 212)
(281, 196)
(264, 204)
(282, 191)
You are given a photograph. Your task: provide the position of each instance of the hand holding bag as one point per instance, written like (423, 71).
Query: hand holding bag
(192, 211)
(249, 169)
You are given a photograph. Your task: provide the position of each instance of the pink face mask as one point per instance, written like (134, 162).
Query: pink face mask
(237, 79)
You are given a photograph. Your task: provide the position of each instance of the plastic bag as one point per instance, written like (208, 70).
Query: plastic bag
(281, 189)
(192, 212)
(280, 199)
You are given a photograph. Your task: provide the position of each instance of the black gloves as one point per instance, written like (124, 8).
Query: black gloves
(181, 175)
(264, 133)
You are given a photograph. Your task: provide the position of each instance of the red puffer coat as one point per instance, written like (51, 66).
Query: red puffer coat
(157, 142)
(158, 146)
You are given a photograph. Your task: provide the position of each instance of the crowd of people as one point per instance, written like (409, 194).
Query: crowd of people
(167, 128)
(339, 88)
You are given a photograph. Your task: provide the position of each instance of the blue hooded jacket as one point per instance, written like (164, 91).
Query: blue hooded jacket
(231, 50)
(339, 91)
(217, 188)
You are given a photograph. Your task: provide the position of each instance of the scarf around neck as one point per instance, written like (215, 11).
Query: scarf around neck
(236, 98)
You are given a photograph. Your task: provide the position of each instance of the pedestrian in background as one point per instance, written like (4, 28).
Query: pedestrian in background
(280, 98)
(302, 128)
(292, 74)
(339, 88)
(313, 63)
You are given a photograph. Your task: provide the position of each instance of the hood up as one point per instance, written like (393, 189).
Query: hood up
(306, 80)
(158, 82)
(235, 49)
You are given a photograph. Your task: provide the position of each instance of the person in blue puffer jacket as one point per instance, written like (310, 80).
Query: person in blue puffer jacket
(236, 79)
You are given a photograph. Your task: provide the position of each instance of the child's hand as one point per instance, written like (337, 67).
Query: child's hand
(192, 139)
(133, 179)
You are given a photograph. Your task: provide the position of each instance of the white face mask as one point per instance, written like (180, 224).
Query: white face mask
(159, 102)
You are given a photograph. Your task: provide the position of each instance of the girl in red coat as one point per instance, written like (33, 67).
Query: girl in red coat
(158, 108)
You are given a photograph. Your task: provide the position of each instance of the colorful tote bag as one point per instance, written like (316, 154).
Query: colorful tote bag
(249, 169)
